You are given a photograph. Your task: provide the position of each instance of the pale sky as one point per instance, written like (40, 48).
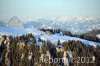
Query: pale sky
(27, 9)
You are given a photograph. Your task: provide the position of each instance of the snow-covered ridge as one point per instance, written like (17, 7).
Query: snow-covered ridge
(44, 36)
(74, 24)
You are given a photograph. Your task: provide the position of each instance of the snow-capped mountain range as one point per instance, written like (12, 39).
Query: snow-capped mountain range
(75, 25)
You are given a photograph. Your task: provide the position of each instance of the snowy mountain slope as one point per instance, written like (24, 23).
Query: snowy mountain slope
(12, 31)
(34, 31)
(39, 34)
(74, 24)
(54, 39)
(4, 33)
(2, 24)
(19, 31)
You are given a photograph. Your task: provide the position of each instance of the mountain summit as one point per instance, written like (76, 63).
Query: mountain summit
(14, 22)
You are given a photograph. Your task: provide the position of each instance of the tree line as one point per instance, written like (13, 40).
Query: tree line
(64, 32)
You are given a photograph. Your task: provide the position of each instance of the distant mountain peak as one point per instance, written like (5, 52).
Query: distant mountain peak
(15, 22)
(14, 17)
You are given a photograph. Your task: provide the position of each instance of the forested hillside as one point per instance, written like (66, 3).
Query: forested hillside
(25, 51)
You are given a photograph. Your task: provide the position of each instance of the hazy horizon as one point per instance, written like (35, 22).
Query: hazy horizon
(27, 9)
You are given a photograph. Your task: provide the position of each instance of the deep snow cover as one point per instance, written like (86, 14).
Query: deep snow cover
(75, 25)
(44, 36)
